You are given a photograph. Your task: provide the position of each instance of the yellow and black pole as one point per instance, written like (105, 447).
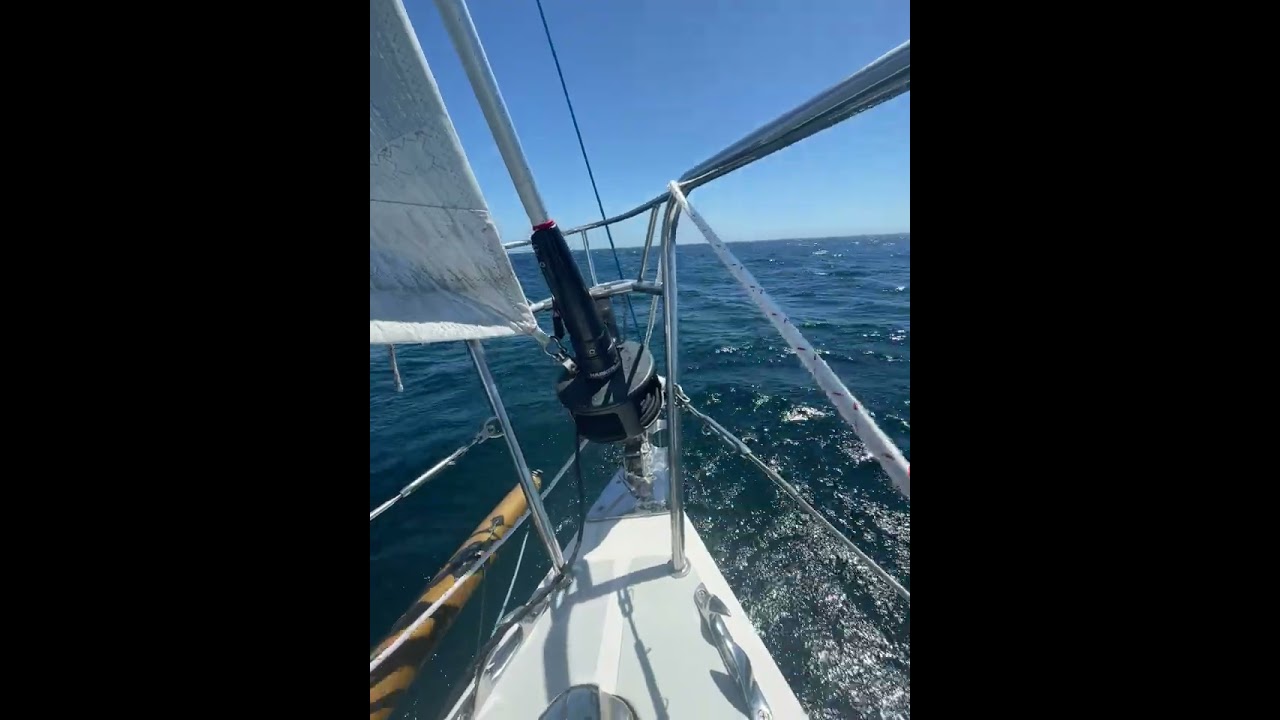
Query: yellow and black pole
(389, 683)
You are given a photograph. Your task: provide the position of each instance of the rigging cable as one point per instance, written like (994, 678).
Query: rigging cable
(476, 669)
(503, 610)
(582, 146)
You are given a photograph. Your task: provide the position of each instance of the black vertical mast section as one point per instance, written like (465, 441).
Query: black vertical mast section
(593, 346)
(614, 394)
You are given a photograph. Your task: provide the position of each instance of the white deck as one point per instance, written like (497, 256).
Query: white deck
(629, 627)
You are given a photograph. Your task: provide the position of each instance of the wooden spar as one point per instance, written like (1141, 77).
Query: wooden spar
(389, 684)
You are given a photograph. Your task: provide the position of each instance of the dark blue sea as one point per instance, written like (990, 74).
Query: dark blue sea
(841, 637)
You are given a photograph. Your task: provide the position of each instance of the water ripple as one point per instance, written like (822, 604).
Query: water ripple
(841, 637)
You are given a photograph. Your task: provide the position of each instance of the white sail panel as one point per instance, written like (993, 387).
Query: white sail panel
(437, 269)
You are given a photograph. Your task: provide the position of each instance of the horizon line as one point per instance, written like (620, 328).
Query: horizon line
(703, 241)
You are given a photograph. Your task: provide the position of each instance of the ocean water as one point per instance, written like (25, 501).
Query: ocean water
(840, 636)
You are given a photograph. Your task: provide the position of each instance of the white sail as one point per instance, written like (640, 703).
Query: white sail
(437, 269)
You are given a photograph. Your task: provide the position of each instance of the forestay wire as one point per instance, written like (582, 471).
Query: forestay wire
(582, 146)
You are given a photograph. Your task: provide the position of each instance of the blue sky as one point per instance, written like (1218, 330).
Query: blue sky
(660, 85)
